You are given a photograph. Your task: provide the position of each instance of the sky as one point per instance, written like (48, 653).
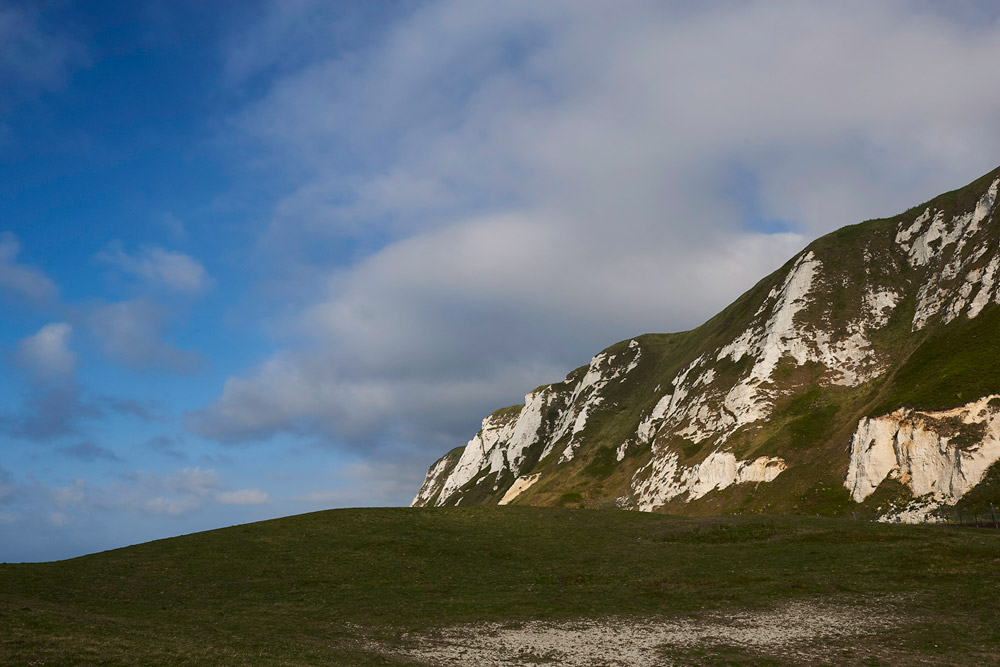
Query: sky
(261, 258)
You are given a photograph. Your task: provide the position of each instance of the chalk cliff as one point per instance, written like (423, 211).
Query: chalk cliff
(862, 375)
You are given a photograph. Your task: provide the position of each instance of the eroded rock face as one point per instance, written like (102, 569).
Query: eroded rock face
(941, 454)
(958, 278)
(667, 480)
(435, 480)
(698, 408)
(520, 485)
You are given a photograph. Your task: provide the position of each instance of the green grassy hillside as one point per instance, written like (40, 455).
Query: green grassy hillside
(356, 587)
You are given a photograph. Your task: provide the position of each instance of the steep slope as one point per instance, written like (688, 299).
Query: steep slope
(859, 376)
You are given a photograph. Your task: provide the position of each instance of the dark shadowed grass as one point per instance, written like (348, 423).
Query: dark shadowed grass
(950, 370)
(320, 588)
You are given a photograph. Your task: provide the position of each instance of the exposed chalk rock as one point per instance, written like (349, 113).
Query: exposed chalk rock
(519, 486)
(719, 470)
(435, 480)
(941, 454)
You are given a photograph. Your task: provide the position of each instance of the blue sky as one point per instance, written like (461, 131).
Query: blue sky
(263, 258)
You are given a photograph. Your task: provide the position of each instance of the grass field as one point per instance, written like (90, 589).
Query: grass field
(397, 586)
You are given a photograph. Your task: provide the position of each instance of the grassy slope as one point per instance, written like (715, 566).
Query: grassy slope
(955, 365)
(312, 589)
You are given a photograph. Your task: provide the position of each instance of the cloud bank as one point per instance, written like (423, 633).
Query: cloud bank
(520, 184)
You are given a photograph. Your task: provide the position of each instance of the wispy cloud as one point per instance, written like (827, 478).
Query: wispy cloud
(34, 55)
(6, 486)
(56, 404)
(132, 334)
(20, 280)
(172, 506)
(166, 444)
(193, 481)
(243, 497)
(89, 451)
(372, 483)
(49, 413)
(179, 493)
(159, 267)
(172, 224)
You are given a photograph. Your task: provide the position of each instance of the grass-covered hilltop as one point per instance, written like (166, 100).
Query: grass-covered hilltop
(496, 586)
(861, 377)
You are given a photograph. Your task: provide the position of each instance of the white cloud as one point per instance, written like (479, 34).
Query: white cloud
(46, 355)
(158, 267)
(69, 495)
(243, 497)
(132, 333)
(20, 280)
(135, 499)
(193, 481)
(553, 177)
(171, 506)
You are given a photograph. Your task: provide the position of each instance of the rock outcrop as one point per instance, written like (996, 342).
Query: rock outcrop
(939, 455)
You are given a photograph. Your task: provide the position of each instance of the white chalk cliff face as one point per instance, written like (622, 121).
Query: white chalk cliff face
(734, 404)
(958, 280)
(719, 471)
(941, 454)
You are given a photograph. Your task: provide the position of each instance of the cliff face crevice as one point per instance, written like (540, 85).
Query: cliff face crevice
(773, 384)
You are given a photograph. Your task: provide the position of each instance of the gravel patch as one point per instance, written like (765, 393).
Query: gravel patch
(799, 629)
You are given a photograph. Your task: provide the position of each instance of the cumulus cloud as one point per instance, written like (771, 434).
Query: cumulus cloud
(158, 267)
(132, 333)
(20, 280)
(46, 355)
(55, 406)
(543, 179)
